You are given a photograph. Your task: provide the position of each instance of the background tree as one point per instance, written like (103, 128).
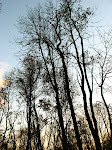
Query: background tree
(26, 81)
(8, 118)
(103, 62)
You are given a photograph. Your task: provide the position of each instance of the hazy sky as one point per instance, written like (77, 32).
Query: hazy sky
(12, 9)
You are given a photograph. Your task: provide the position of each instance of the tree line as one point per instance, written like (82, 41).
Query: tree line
(48, 102)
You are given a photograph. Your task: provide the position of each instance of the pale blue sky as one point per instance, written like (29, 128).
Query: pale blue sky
(12, 9)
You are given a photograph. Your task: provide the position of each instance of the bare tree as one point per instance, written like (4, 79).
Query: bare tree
(8, 135)
(25, 81)
(103, 63)
(74, 26)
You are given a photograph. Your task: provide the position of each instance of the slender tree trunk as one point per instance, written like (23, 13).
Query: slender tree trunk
(64, 137)
(38, 130)
(109, 116)
(79, 142)
(55, 88)
(82, 67)
(93, 131)
(29, 114)
(60, 116)
(29, 129)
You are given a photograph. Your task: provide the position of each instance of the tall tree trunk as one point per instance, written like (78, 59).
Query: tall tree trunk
(29, 113)
(38, 130)
(29, 129)
(109, 116)
(61, 122)
(79, 142)
(93, 131)
(55, 88)
(82, 68)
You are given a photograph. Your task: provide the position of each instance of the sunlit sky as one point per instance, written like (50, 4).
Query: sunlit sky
(12, 9)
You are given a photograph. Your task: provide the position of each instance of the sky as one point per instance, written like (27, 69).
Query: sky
(13, 9)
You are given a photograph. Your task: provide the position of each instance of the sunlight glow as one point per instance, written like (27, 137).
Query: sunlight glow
(3, 67)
